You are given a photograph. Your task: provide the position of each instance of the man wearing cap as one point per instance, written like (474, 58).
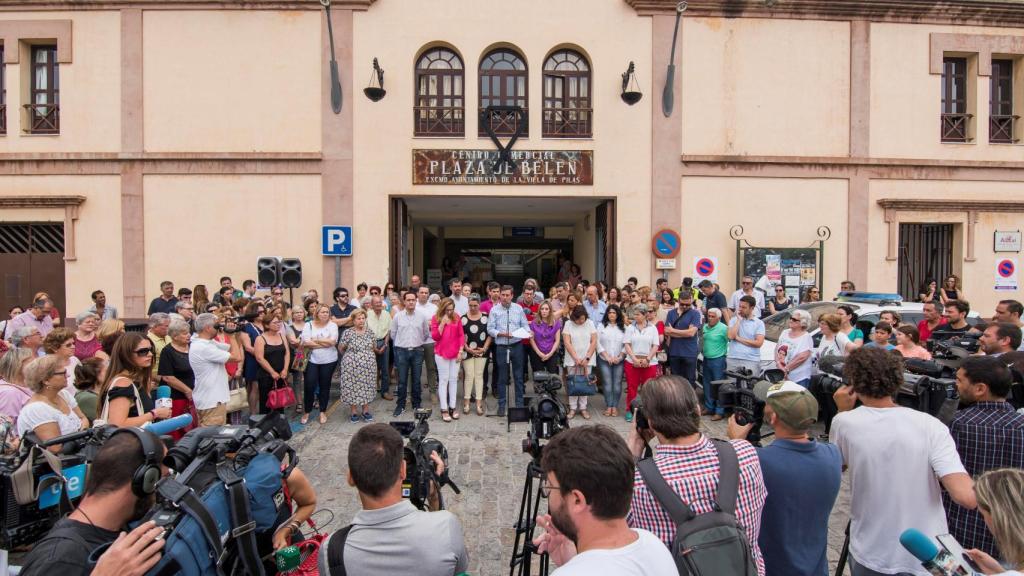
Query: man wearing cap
(802, 478)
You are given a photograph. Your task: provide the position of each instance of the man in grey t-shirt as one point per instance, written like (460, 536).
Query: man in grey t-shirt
(389, 535)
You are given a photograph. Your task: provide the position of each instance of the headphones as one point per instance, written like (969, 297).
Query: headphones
(146, 476)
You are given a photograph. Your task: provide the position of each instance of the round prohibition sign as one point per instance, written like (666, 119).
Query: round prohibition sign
(705, 267)
(1006, 268)
(666, 244)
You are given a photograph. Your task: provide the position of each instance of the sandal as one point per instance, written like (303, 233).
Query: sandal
(465, 407)
(323, 418)
(445, 416)
(572, 414)
(586, 415)
(455, 414)
(607, 412)
(479, 409)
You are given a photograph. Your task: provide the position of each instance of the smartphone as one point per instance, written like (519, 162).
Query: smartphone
(953, 547)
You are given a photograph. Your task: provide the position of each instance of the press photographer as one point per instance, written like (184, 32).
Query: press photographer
(207, 357)
(897, 458)
(389, 535)
(119, 489)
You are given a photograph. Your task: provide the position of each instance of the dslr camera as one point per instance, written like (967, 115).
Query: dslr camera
(546, 415)
(422, 485)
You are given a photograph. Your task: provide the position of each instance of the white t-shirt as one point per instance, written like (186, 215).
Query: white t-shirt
(326, 332)
(580, 336)
(793, 347)
(895, 457)
(35, 414)
(642, 341)
(647, 556)
(207, 359)
(610, 340)
(835, 347)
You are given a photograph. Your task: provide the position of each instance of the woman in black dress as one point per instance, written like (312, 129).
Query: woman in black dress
(125, 397)
(272, 357)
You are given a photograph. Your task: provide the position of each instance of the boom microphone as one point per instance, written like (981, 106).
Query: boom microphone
(165, 427)
(935, 561)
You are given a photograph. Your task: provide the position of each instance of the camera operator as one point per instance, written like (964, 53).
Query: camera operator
(688, 461)
(802, 478)
(897, 457)
(207, 357)
(956, 321)
(389, 535)
(111, 501)
(988, 433)
(1000, 338)
(588, 481)
(1000, 503)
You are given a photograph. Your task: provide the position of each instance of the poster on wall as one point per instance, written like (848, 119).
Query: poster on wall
(793, 293)
(807, 276)
(1006, 274)
(773, 268)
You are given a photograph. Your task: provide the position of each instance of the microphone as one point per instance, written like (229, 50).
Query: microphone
(163, 396)
(165, 427)
(935, 561)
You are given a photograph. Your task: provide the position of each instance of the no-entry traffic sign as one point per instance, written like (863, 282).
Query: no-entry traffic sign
(666, 244)
(705, 268)
(1006, 274)
(1006, 268)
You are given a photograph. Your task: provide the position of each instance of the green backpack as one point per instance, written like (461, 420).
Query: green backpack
(711, 544)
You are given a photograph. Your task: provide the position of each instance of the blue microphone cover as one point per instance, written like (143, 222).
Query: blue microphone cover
(163, 391)
(919, 545)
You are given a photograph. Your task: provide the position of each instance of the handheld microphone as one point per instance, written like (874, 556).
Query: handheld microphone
(163, 397)
(165, 427)
(935, 561)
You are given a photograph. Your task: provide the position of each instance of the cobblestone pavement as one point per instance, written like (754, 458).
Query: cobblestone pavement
(487, 463)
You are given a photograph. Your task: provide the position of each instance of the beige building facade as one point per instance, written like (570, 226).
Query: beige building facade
(183, 139)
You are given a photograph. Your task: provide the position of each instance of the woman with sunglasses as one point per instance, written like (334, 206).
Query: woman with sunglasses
(52, 410)
(812, 295)
(780, 301)
(60, 342)
(125, 395)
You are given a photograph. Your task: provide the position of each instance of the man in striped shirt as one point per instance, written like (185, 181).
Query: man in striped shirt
(689, 463)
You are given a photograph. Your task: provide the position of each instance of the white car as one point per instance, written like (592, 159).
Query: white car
(867, 305)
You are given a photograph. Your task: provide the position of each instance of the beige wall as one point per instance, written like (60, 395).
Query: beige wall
(90, 88)
(774, 212)
(192, 237)
(97, 231)
(232, 81)
(765, 87)
(906, 100)
(396, 31)
(979, 276)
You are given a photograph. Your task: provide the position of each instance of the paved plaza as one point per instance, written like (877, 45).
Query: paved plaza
(486, 462)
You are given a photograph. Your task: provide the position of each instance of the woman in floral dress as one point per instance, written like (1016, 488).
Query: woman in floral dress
(358, 367)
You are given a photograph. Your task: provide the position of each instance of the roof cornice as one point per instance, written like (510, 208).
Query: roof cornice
(82, 5)
(1003, 13)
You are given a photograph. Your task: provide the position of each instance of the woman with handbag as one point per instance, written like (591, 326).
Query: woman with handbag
(125, 395)
(641, 343)
(580, 338)
(358, 367)
(272, 359)
(298, 360)
(177, 372)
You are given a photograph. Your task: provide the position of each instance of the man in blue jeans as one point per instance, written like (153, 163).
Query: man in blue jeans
(409, 328)
(503, 321)
(681, 326)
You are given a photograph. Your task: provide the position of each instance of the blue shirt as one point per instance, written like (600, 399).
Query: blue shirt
(749, 329)
(802, 479)
(509, 320)
(679, 346)
(595, 312)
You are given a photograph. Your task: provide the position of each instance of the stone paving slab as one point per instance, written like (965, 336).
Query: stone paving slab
(486, 462)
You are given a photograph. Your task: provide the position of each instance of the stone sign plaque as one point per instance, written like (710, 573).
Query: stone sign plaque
(529, 167)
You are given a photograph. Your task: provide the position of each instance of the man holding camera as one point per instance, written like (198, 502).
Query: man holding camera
(110, 502)
(688, 461)
(897, 458)
(588, 481)
(802, 478)
(988, 434)
(207, 357)
(389, 535)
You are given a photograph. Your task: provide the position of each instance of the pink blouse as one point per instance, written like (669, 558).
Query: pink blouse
(448, 344)
(12, 399)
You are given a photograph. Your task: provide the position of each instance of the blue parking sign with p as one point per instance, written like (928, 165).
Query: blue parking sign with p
(337, 241)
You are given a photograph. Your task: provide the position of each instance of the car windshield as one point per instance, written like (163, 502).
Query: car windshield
(776, 323)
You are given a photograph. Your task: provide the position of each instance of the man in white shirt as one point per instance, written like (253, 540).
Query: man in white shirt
(588, 481)
(747, 289)
(207, 358)
(897, 459)
(746, 336)
(428, 309)
(461, 302)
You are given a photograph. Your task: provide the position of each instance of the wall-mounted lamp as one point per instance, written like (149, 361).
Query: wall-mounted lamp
(375, 91)
(630, 88)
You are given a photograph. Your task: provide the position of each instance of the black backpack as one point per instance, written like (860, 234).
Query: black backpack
(711, 544)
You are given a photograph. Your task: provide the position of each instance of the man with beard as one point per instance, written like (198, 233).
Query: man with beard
(111, 501)
(1000, 338)
(588, 481)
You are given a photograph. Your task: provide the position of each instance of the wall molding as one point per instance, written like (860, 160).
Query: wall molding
(12, 32)
(70, 205)
(80, 5)
(983, 45)
(971, 209)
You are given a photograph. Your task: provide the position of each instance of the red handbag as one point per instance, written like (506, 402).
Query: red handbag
(280, 397)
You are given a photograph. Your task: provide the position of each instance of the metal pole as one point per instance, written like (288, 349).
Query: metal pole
(337, 271)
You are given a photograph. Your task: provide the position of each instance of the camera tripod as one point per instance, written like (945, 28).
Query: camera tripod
(529, 507)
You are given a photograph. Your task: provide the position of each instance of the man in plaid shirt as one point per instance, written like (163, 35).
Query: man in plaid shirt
(689, 463)
(989, 434)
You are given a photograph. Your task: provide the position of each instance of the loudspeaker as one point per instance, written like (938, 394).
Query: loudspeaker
(268, 271)
(291, 272)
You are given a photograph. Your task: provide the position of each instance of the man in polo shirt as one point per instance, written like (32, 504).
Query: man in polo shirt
(746, 336)
(38, 317)
(165, 301)
(932, 320)
(802, 478)
(747, 289)
(681, 325)
(713, 298)
(595, 308)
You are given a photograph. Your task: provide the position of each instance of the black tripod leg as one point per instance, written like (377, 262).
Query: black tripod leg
(522, 528)
(844, 554)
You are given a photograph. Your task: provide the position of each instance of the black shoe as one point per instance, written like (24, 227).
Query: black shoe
(501, 412)
(399, 410)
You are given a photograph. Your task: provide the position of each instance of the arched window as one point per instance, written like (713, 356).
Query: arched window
(440, 107)
(503, 83)
(567, 109)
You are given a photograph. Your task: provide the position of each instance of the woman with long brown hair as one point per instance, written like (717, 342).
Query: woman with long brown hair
(200, 298)
(125, 398)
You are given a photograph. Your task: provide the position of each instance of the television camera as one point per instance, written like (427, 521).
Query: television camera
(422, 485)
